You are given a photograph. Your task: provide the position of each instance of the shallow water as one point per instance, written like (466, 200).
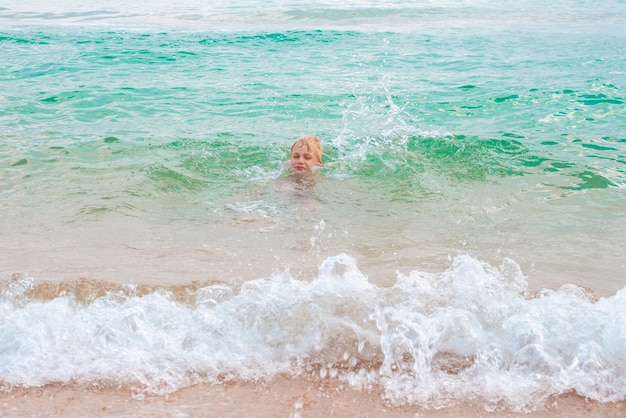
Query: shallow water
(474, 156)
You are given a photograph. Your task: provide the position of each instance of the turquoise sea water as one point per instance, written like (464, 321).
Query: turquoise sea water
(474, 156)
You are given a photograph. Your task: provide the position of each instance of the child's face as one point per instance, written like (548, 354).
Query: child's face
(301, 158)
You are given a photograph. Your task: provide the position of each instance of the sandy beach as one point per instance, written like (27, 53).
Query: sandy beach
(283, 397)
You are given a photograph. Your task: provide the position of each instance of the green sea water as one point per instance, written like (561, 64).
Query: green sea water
(145, 196)
(445, 127)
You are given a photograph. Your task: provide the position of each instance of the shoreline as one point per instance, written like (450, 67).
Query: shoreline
(281, 397)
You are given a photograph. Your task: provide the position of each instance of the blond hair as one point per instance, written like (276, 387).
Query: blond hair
(313, 145)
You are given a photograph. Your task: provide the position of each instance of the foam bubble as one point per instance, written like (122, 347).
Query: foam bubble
(472, 333)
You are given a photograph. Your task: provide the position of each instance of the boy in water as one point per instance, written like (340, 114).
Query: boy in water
(306, 153)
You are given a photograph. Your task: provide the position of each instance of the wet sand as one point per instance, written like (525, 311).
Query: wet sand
(282, 397)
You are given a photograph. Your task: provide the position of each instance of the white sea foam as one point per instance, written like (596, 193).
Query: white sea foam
(469, 334)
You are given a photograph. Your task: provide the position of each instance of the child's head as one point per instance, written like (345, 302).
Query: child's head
(306, 152)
